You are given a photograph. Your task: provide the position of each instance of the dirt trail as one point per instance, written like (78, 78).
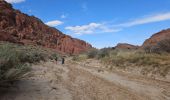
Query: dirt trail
(45, 83)
(75, 81)
(142, 89)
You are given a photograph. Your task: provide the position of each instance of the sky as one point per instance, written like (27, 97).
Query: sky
(102, 23)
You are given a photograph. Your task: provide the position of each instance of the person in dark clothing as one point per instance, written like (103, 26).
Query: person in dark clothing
(63, 61)
(56, 59)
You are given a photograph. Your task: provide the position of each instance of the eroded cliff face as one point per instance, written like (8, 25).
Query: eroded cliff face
(20, 28)
(154, 39)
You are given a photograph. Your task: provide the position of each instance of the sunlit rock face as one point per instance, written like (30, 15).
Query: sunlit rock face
(154, 39)
(18, 27)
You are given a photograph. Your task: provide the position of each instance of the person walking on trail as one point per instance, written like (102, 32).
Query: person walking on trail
(56, 59)
(63, 61)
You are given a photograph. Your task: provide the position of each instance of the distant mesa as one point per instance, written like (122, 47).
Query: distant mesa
(18, 27)
(126, 46)
(151, 42)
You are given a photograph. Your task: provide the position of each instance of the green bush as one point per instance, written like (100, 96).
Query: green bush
(92, 53)
(10, 62)
(15, 60)
(103, 53)
(75, 58)
(149, 62)
(54, 56)
(81, 57)
(164, 45)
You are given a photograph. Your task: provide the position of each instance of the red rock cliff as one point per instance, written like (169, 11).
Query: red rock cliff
(154, 39)
(17, 27)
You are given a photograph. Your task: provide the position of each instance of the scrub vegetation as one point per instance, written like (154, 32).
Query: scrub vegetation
(15, 60)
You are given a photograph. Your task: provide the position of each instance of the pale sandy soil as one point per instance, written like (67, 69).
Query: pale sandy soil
(76, 81)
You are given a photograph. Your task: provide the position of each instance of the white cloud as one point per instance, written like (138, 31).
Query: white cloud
(146, 20)
(109, 27)
(54, 23)
(90, 29)
(14, 1)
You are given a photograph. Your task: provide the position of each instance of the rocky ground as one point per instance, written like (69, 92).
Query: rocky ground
(76, 81)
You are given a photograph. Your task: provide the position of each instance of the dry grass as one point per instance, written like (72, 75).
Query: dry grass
(81, 57)
(15, 60)
(148, 62)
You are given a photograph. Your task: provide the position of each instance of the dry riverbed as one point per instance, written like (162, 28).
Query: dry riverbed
(75, 81)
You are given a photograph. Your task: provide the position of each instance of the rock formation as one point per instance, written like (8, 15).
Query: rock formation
(151, 42)
(20, 28)
(154, 39)
(126, 46)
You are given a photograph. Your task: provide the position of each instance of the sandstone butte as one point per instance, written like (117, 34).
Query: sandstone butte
(17, 27)
(126, 46)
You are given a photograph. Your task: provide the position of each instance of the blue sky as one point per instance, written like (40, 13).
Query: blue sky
(102, 23)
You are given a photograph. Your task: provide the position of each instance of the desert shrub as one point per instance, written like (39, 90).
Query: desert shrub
(54, 56)
(147, 49)
(75, 58)
(151, 49)
(103, 53)
(32, 56)
(149, 62)
(81, 57)
(11, 66)
(92, 53)
(15, 60)
(164, 45)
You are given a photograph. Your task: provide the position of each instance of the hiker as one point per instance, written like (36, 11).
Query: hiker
(63, 60)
